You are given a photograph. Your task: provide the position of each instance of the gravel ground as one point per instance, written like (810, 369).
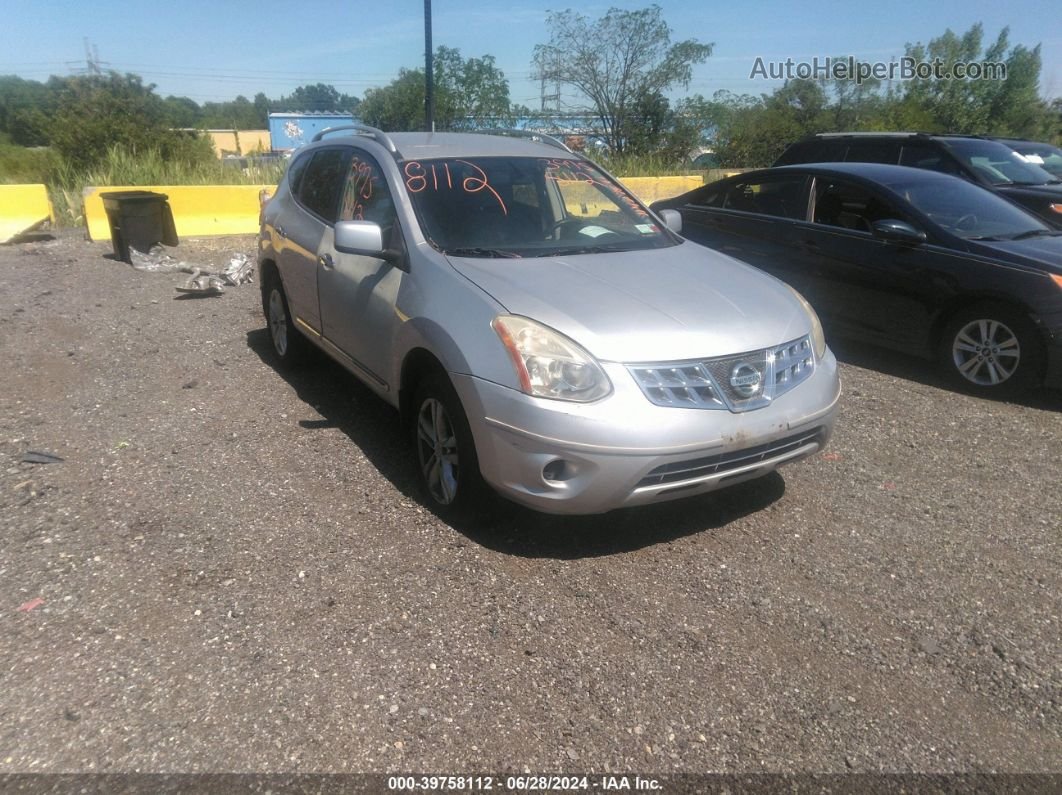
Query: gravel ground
(238, 574)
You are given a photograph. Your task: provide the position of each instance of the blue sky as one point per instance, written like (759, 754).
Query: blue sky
(212, 51)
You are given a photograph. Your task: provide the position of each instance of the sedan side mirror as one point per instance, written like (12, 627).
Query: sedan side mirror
(892, 230)
(364, 238)
(672, 220)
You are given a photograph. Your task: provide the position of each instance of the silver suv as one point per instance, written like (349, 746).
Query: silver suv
(536, 326)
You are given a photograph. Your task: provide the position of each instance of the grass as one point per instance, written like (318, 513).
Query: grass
(120, 167)
(123, 167)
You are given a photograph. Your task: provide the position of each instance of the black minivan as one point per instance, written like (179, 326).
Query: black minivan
(985, 162)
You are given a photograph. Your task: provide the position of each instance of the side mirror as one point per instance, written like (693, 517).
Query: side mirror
(364, 238)
(672, 220)
(894, 231)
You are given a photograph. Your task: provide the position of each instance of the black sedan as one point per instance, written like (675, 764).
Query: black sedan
(900, 257)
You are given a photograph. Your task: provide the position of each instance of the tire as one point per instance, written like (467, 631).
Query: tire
(992, 350)
(445, 453)
(289, 346)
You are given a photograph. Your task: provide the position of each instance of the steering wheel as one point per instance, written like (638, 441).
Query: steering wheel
(966, 222)
(562, 225)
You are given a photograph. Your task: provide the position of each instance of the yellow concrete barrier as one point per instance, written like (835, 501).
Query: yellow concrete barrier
(198, 210)
(23, 208)
(651, 189)
(205, 210)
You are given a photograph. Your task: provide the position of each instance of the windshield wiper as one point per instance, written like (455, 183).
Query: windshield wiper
(1035, 233)
(591, 249)
(476, 251)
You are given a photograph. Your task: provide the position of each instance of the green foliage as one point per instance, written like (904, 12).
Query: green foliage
(472, 87)
(1000, 107)
(19, 165)
(97, 112)
(622, 64)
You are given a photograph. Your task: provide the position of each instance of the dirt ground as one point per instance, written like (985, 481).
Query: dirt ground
(231, 570)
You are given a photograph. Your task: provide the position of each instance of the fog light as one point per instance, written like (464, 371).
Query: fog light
(558, 470)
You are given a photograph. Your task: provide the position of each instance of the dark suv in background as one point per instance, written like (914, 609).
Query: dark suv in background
(985, 162)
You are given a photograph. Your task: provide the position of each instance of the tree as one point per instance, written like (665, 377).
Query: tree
(621, 63)
(1010, 106)
(469, 92)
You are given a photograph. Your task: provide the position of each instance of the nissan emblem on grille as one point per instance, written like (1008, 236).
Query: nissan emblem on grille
(745, 379)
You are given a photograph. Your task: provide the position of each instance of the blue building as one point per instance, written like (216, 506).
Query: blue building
(289, 131)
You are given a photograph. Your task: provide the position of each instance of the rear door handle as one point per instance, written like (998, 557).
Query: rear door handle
(326, 261)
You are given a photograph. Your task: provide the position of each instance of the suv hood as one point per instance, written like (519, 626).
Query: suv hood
(656, 305)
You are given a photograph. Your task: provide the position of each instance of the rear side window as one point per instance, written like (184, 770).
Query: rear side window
(295, 172)
(782, 197)
(320, 183)
(707, 197)
(817, 151)
(887, 152)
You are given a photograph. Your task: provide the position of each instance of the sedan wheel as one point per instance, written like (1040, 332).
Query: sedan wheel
(992, 349)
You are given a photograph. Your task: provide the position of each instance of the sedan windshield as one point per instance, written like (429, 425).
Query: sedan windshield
(968, 211)
(998, 164)
(526, 207)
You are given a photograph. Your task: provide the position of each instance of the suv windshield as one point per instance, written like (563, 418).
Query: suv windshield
(526, 207)
(997, 163)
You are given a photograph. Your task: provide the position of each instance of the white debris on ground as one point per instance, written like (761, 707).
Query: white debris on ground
(202, 279)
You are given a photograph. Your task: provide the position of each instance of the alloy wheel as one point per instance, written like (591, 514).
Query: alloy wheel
(278, 321)
(437, 450)
(986, 352)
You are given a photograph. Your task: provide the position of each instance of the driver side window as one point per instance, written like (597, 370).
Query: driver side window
(849, 206)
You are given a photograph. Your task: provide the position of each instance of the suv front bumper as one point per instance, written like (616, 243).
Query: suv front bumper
(562, 457)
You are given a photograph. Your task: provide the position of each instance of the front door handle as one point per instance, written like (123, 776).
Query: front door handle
(326, 261)
(280, 231)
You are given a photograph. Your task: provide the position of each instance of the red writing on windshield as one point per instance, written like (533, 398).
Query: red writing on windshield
(439, 177)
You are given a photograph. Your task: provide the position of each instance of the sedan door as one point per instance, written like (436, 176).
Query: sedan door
(862, 285)
(752, 220)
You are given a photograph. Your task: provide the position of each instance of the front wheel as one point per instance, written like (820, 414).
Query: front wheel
(992, 350)
(446, 454)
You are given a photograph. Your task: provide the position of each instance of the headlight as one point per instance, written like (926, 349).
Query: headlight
(818, 338)
(548, 364)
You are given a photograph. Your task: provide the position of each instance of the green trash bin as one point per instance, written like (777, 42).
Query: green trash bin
(139, 219)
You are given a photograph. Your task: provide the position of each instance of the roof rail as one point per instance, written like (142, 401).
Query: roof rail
(869, 134)
(361, 129)
(529, 134)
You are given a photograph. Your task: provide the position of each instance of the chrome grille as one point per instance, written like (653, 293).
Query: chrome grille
(738, 382)
(726, 462)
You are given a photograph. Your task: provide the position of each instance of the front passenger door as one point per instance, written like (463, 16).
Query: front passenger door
(358, 293)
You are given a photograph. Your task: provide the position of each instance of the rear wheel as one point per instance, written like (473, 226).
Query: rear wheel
(288, 344)
(991, 349)
(446, 454)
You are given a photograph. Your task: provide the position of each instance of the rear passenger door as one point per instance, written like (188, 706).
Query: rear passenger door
(751, 220)
(317, 196)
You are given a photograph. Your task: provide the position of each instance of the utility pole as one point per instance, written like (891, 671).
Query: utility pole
(429, 77)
